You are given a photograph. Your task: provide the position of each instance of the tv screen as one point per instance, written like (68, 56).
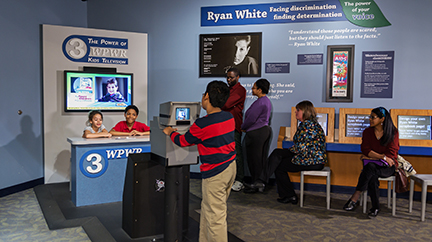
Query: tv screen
(86, 91)
(182, 114)
(414, 127)
(355, 124)
(323, 120)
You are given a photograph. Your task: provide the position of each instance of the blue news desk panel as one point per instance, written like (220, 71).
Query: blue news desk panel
(98, 167)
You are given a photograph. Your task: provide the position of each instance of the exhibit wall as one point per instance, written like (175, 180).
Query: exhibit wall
(21, 132)
(124, 51)
(174, 29)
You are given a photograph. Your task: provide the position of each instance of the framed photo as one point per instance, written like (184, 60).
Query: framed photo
(220, 52)
(340, 68)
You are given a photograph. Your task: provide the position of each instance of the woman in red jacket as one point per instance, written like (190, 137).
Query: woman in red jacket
(379, 142)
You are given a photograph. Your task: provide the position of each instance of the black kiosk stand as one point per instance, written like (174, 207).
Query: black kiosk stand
(156, 192)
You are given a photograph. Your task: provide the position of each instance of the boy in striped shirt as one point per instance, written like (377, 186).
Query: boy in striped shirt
(214, 136)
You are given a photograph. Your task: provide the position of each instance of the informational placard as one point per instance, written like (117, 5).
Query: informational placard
(277, 67)
(355, 124)
(377, 74)
(310, 59)
(414, 127)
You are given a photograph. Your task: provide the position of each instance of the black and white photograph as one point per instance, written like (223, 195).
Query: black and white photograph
(220, 52)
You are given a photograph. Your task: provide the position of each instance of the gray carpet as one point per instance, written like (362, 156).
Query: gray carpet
(251, 217)
(259, 217)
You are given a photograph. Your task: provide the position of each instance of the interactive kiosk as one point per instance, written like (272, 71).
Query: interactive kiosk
(156, 193)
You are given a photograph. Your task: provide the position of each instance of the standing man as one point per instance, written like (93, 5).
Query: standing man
(235, 105)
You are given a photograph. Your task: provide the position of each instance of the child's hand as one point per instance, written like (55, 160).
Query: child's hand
(169, 130)
(133, 133)
(108, 135)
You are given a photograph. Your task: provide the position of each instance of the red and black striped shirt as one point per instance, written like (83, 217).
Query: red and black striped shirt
(214, 136)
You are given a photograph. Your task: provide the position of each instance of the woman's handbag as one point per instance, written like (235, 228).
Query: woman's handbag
(401, 181)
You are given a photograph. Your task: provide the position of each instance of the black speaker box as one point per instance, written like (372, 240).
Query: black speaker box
(143, 197)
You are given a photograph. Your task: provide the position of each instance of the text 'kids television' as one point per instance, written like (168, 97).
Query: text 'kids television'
(86, 91)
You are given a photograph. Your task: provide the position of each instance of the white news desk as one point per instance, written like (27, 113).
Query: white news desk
(98, 167)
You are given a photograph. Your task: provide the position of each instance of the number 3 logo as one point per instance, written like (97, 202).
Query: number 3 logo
(75, 48)
(93, 164)
(96, 163)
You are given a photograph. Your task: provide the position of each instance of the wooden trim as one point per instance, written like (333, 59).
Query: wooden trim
(281, 137)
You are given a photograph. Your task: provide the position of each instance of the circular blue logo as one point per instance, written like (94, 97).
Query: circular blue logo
(75, 48)
(93, 163)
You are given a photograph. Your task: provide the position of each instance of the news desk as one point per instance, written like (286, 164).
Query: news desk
(344, 161)
(98, 167)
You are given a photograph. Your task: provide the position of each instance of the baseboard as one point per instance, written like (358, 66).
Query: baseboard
(21, 187)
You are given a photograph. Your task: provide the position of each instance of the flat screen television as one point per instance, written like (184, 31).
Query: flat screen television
(352, 122)
(414, 126)
(85, 91)
(356, 124)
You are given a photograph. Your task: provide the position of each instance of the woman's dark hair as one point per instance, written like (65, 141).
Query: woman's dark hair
(132, 107)
(308, 109)
(389, 130)
(264, 85)
(218, 92)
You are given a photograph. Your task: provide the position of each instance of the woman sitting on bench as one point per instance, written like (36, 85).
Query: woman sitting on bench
(379, 147)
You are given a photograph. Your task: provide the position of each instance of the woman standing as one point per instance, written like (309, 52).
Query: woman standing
(379, 142)
(257, 131)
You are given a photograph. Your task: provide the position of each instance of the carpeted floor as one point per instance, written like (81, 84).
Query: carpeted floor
(251, 217)
(259, 217)
(21, 219)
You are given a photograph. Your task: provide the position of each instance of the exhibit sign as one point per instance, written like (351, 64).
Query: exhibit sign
(96, 49)
(277, 67)
(377, 74)
(310, 59)
(359, 12)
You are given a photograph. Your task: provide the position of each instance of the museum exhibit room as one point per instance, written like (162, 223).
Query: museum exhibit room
(198, 120)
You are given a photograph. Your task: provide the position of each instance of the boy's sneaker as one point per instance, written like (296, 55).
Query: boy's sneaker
(237, 186)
